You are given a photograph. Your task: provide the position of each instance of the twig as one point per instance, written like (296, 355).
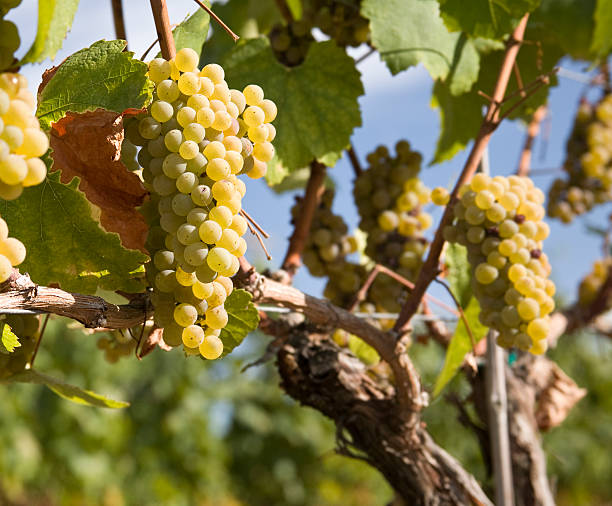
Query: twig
(365, 55)
(285, 10)
(118, 20)
(218, 20)
(532, 132)
(261, 243)
(312, 196)
(498, 423)
(38, 341)
(490, 122)
(543, 80)
(363, 291)
(144, 55)
(255, 224)
(354, 161)
(162, 25)
(519, 79)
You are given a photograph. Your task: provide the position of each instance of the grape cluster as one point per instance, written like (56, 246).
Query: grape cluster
(499, 220)
(26, 328)
(592, 282)
(9, 35)
(328, 242)
(22, 141)
(196, 138)
(12, 252)
(291, 42)
(340, 19)
(390, 199)
(117, 344)
(588, 163)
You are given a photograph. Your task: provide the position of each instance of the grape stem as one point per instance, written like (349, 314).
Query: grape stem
(532, 132)
(255, 224)
(118, 20)
(164, 31)
(354, 161)
(312, 196)
(218, 20)
(284, 10)
(38, 341)
(429, 271)
(258, 237)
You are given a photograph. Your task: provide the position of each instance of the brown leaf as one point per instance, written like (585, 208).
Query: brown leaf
(153, 339)
(88, 145)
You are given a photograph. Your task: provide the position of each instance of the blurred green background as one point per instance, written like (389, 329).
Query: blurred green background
(200, 433)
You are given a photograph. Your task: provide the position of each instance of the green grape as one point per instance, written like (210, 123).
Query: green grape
(167, 90)
(186, 183)
(188, 150)
(216, 317)
(219, 259)
(163, 259)
(192, 336)
(162, 111)
(187, 234)
(222, 215)
(195, 253)
(211, 348)
(528, 309)
(210, 232)
(185, 315)
(485, 273)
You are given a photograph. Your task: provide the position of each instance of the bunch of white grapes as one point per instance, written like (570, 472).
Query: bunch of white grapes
(592, 282)
(197, 137)
(588, 163)
(22, 141)
(328, 242)
(499, 220)
(117, 344)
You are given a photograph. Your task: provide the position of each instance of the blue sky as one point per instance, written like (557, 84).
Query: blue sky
(392, 108)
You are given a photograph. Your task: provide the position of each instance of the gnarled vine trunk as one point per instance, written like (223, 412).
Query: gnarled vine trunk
(319, 374)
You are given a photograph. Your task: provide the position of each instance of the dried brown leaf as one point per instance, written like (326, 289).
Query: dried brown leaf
(88, 145)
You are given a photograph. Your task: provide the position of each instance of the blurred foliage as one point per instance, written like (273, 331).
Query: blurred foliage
(196, 433)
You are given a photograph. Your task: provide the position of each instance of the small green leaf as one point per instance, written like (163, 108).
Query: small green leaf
(460, 119)
(65, 242)
(8, 340)
(243, 318)
(459, 273)
(491, 19)
(192, 31)
(460, 345)
(276, 172)
(100, 76)
(409, 32)
(317, 101)
(295, 6)
(602, 38)
(68, 392)
(54, 20)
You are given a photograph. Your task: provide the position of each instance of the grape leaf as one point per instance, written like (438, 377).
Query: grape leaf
(317, 101)
(602, 38)
(68, 392)
(8, 340)
(409, 32)
(459, 273)
(192, 31)
(276, 172)
(88, 145)
(243, 318)
(65, 242)
(460, 118)
(247, 18)
(460, 345)
(54, 20)
(491, 19)
(566, 23)
(101, 76)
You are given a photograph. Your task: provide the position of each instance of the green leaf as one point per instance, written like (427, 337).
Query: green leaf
(54, 20)
(247, 18)
(460, 345)
(243, 318)
(602, 38)
(491, 19)
(295, 6)
(276, 172)
(568, 24)
(460, 119)
(68, 392)
(409, 32)
(192, 31)
(65, 242)
(8, 340)
(459, 273)
(101, 76)
(317, 101)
